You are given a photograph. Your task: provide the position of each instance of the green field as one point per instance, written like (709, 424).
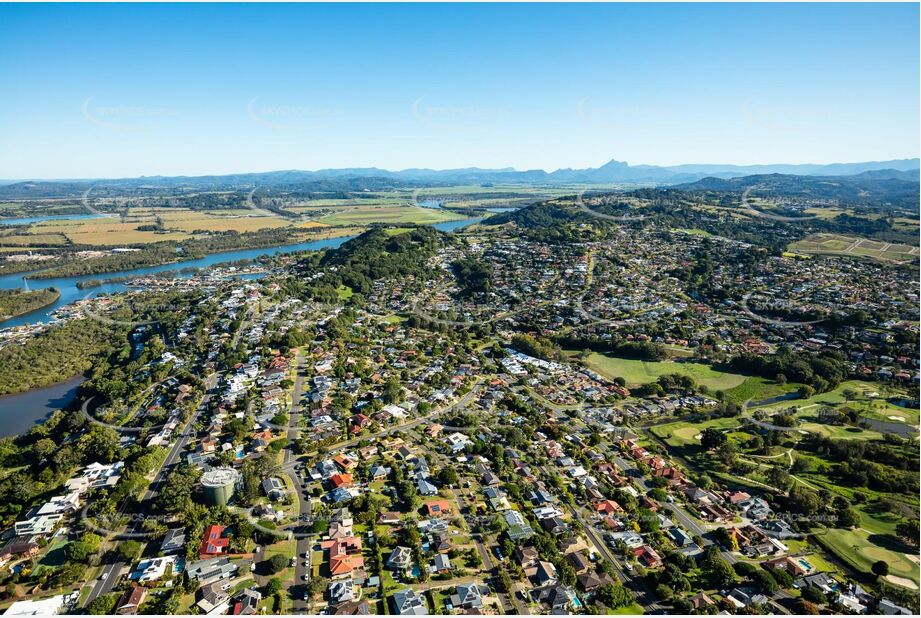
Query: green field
(855, 548)
(642, 372)
(364, 215)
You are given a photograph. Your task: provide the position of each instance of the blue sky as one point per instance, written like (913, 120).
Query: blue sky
(124, 90)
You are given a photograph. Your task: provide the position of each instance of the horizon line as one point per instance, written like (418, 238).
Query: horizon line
(510, 169)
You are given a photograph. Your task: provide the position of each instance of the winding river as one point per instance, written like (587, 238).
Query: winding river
(70, 292)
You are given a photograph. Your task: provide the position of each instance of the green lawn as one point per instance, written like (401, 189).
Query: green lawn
(758, 389)
(630, 610)
(642, 372)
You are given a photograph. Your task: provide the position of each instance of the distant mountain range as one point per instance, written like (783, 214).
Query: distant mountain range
(886, 187)
(346, 179)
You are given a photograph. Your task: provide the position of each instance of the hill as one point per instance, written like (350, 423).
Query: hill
(879, 188)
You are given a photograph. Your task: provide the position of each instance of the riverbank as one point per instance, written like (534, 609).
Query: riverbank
(326, 238)
(167, 253)
(14, 303)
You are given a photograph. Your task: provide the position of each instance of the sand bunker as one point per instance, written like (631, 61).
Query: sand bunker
(896, 418)
(902, 581)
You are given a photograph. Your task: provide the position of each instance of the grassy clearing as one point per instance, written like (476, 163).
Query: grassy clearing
(23, 240)
(641, 372)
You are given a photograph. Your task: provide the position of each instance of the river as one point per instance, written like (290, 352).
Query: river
(20, 412)
(70, 292)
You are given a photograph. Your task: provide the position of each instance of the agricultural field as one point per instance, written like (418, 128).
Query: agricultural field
(637, 372)
(366, 215)
(19, 239)
(174, 225)
(838, 244)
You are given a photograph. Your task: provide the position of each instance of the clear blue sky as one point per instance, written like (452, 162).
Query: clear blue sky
(124, 90)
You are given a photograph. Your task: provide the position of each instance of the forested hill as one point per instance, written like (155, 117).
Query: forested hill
(538, 215)
(879, 188)
(380, 253)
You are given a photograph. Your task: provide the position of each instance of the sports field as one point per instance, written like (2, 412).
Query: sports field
(838, 244)
(637, 372)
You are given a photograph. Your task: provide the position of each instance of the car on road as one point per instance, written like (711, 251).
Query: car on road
(628, 567)
(305, 577)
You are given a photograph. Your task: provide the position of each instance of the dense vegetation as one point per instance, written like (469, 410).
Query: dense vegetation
(823, 372)
(473, 276)
(57, 354)
(373, 255)
(19, 302)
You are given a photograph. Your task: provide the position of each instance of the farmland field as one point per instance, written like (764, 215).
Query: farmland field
(388, 214)
(642, 372)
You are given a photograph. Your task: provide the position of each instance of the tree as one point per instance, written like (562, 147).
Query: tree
(448, 476)
(909, 531)
(317, 585)
(274, 586)
(880, 568)
(813, 595)
(711, 438)
(848, 518)
(103, 605)
(129, 550)
(807, 608)
(765, 582)
(805, 391)
(717, 571)
(277, 563)
(614, 595)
